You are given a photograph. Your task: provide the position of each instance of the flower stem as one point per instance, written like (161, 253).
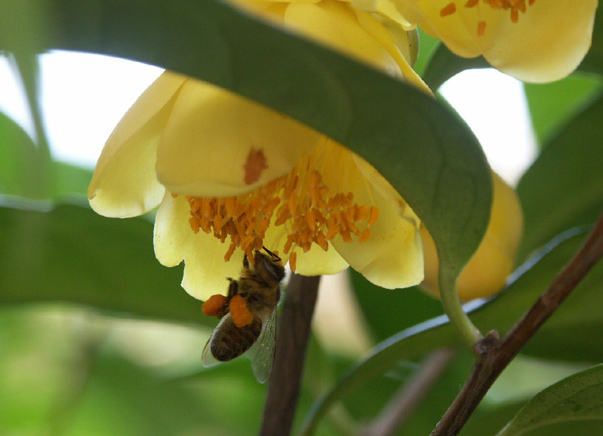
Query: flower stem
(292, 341)
(469, 334)
(497, 353)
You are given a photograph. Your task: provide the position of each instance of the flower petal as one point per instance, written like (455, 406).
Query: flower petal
(217, 144)
(546, 43)
(205, 271)
(392, 257)
(335, 24)
(124, 182)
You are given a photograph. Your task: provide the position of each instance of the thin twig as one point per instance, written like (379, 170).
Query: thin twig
(405, 401)
(292, 340)
(496, 354)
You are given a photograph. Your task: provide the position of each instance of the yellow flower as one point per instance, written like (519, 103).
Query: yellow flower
(230, 176)
(488, 269)
(533, 40)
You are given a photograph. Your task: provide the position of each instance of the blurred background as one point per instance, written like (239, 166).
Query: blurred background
(72, 370)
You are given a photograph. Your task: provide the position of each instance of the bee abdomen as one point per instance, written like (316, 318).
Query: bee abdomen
(234, 341)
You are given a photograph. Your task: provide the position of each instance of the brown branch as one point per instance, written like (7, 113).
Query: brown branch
(292, 340)
(405, 401)
(496, 354)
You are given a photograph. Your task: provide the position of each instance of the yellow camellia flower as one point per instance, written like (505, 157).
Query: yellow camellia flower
(533, 40)
(231, 176)
(488, 269)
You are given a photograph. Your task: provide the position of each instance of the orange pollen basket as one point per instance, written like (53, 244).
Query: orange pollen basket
(298, 201)
(514, 6)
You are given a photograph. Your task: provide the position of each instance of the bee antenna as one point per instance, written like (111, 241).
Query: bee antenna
(271, 253)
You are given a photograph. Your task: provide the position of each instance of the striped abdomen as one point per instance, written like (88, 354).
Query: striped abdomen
(231, 341)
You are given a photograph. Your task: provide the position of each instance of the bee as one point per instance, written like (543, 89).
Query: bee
(247, 316)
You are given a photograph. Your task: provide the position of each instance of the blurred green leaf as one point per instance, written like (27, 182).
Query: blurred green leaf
(444, 64)
(552, 105)
(564, 186)
(428, 155)
(593, 62)
(71, 179)
(17, 160)
(405, 308)
(71, 254)
(578, 397)
(579, 313)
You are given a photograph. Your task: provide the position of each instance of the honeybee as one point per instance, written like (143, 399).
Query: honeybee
(251, 301)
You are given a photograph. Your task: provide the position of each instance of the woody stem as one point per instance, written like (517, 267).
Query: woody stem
(292, 341)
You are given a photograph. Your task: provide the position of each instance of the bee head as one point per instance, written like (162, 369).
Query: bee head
(270, 264)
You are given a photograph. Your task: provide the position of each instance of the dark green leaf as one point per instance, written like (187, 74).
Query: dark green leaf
(593, 62)
(427, 154)
(578, 397)
(71, 254)
(444, 64)
(553, 104)
(564, 186)
(580, 313)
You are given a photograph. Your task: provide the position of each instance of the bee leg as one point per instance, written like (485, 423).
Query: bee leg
(233, 288)
(245, 262)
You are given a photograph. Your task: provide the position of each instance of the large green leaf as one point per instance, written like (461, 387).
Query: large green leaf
(71, 254)
(579, 397)
(561, 337)
(564, 186)
(428, 155)
(552, 105)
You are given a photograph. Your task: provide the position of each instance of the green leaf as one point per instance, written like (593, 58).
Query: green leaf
(579, 313)
(564, 186)
(578, 397)
(552, 105)
(444, 64)
(404, 308)
(427, 154)
(593, 62)
(17, 160)
(71, 254)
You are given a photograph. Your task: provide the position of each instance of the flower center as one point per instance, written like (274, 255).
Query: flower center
(514, 6)
(300, 202)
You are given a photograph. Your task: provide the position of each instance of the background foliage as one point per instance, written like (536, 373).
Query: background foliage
(97, 338)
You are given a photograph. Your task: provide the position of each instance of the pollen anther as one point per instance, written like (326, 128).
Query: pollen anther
(299, 201)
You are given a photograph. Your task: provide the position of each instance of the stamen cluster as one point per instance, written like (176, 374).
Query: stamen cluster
(515, 6)
(299, 202)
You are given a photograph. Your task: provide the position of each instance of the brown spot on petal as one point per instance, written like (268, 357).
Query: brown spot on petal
(254, 165)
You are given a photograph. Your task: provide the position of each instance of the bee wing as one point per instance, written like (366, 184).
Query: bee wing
(262, 352)
(207, 358)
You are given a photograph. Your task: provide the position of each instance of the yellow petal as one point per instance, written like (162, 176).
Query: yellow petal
(488, 269)
(319, 262)
(392, 257)
(124, 182)
(205, 270)
(547, 43)
(335, 24)
(217, 144)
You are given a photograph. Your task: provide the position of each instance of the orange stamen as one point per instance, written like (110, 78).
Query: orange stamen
(481, 28)
(300, 201)
(449, 9)
(293, 261)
